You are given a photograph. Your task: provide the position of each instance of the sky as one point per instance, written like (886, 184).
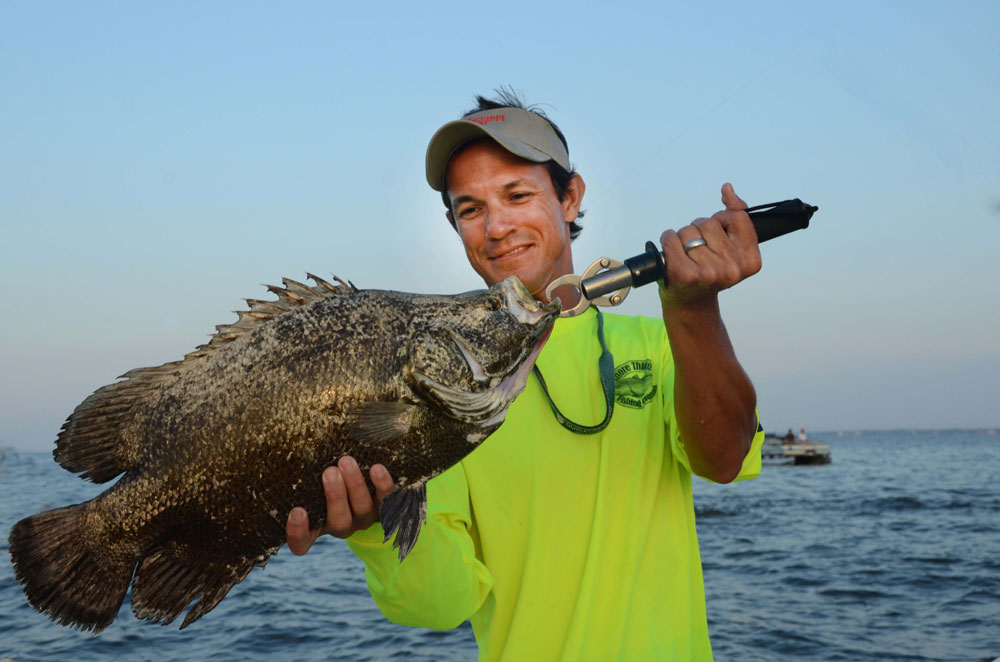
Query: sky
(160, 161)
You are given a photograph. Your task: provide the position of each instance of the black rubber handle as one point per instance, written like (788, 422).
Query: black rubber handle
(770, 221)
(780, 218)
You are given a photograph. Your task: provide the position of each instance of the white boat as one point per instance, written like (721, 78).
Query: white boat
(778, 451)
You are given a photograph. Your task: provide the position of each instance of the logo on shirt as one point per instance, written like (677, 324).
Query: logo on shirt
(634, 385)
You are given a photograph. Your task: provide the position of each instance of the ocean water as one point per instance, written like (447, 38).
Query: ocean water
(891, 552)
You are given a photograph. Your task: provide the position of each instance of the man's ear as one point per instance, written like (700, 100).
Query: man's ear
(574, 198)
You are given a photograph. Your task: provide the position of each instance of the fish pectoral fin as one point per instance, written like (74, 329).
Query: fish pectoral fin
(378, 422)
(403, 512)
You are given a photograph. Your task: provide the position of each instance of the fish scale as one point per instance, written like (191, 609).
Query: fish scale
(214, 450)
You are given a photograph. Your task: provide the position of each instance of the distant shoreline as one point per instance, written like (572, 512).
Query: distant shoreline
(813, 435)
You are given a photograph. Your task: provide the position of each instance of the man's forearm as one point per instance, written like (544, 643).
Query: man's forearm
(714, 400)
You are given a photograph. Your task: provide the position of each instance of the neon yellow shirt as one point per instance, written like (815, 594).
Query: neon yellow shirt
(559, 545)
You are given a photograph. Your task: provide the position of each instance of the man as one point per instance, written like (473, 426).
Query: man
(556, 544)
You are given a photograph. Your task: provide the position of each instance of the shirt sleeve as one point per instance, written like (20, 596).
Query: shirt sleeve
(440, 583)
(752, 462)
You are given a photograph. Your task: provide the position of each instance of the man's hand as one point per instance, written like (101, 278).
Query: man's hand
(349, 505)
(729, 255)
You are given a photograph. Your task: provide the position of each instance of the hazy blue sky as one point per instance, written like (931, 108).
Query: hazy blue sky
(159, 161)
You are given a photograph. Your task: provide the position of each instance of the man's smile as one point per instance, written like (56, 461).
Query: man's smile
(508, 252)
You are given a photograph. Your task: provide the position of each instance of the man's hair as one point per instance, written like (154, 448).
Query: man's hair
(507, 98)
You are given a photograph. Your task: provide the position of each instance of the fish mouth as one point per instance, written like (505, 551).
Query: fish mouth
(524, 307)
(528, 311)
(488, 407)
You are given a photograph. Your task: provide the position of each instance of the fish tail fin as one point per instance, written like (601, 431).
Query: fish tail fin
(61, 575)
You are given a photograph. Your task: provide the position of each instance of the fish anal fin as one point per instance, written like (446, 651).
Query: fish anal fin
(378, 423)
(172, 576)
(403, 512)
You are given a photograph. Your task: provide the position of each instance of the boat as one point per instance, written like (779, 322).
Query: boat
(777, 451)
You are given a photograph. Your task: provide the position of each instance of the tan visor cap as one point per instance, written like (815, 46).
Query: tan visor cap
(520, 132)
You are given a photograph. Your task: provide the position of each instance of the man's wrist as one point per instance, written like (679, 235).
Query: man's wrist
(693, 313)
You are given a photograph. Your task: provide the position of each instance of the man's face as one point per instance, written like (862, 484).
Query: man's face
(509, 217)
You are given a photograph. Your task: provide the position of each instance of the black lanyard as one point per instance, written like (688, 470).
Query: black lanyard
(606, 367)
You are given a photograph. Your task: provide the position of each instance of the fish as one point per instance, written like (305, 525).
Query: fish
(214, 450)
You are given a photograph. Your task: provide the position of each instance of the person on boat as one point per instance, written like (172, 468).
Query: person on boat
(558, 544)
(802, 436)
(789, 437)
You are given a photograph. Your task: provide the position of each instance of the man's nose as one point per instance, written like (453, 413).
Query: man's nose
(499, 222)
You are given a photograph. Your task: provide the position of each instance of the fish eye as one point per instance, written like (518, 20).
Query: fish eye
(493, 303)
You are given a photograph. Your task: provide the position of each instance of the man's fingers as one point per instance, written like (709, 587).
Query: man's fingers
(338, 509)
(673, 247)
(714, 233)
(382, 482)
(731, 200)
(300, 537)
(349, 504)
(690, 233)
(357, 492)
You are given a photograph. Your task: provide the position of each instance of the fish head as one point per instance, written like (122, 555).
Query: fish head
(478, 355)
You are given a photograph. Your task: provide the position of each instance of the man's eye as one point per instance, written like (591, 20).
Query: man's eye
(466, 212)
(519, 196)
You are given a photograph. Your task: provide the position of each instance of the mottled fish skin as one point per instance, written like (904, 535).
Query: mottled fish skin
(217, 449)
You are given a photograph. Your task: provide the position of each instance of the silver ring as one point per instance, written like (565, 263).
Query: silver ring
(694, 243)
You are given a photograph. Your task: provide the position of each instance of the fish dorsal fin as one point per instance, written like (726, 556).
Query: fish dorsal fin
(290, 297)
(91, 442)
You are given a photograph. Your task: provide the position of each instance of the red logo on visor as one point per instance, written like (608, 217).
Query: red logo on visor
(486, 120)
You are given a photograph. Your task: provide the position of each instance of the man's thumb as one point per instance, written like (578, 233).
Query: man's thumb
(730, 199)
